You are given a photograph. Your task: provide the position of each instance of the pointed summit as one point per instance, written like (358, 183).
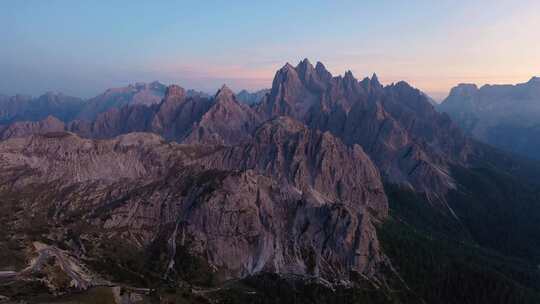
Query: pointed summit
(375, 80)
(323, 73)
(305, 68)
(374, 77)
(224, 92)
(286, 67)
(320, 66)
(285, 74)
(304, 62)
(349, 75)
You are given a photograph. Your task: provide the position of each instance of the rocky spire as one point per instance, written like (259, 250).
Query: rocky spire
(349, 76)
(224, 93)
(375, 81)
(322, 71)
(305, 69)
(287, 76)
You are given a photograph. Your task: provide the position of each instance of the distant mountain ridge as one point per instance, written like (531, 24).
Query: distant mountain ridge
(506, 116)
(251, 97)
(138, 94)
(20, 108)
(67, 108)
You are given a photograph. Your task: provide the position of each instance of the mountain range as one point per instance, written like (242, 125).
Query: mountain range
(505, 116)
(322, 189)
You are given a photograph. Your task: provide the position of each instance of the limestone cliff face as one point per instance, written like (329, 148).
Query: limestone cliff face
(312, 161)
(295, 219)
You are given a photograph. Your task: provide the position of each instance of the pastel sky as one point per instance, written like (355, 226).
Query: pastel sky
(83, 47)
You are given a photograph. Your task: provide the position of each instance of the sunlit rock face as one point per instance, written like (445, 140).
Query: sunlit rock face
(312, 217)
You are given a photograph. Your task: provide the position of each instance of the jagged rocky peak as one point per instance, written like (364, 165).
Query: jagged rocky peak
(174, 100)
(313, 161)
(311, 78)
(292, 93)
(305, 69)
(371, 84)
(349, 78)
(224, 93)
(323, 73)
(287, 79)
(287, 72)
(287, 68)
(375, 80)
(226, 122)
(349, 75)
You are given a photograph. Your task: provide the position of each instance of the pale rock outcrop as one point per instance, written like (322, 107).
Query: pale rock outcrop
(310, 160)
(242, 222)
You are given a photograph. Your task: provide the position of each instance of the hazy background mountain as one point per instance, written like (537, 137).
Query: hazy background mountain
(19, 108)
(506, 116)
(251, 97)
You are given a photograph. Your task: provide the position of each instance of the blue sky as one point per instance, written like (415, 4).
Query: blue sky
(84, 47)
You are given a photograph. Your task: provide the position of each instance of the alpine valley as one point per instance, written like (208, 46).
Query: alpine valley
(321, 189)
